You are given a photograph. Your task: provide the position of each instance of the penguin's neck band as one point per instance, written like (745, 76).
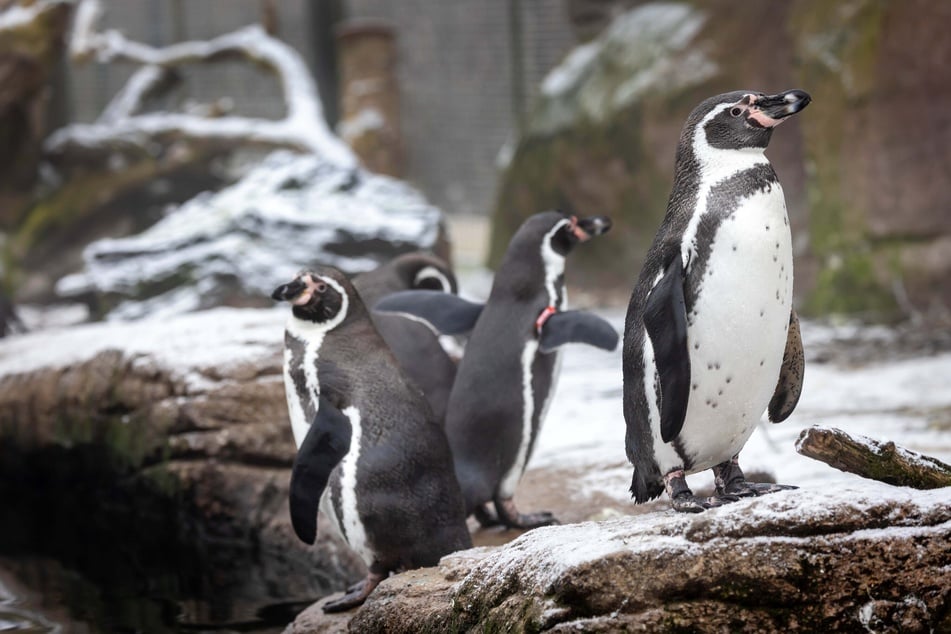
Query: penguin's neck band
(543, 317)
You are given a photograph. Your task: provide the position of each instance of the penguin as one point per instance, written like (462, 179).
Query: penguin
(506, 378)
(423, 356)
(416, 270)
(711, 338)
(370, 454)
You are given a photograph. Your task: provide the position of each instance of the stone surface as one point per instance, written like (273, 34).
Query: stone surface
(180, 443)
(797, 561)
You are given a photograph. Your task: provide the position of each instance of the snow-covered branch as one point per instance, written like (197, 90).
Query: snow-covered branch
(120, 126)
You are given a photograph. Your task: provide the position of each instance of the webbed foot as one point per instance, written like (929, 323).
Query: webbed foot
(355, 595)
(683, 500)
(511, 518)
(731, 481)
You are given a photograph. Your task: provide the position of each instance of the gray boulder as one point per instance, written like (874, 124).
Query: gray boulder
(233, 246)
(863, 558)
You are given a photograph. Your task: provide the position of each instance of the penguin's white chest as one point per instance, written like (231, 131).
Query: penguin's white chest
(736, 334)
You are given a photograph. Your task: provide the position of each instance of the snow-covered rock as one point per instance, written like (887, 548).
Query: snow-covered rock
(234, 246)
(859, 558)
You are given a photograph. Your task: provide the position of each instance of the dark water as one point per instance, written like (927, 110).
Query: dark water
(82, 551)
(39, 594)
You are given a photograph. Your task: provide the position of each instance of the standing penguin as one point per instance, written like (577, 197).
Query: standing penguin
(711, 339)
(369, 454)
(507, 376)
(416, 345)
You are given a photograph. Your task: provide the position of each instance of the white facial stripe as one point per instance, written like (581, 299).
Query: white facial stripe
(554, 265)
(715, 165)
(312, 334)
(431, 272)
(295, 408)
(349, 516)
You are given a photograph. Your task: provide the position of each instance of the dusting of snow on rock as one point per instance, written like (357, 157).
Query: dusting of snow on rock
(645, 50)
(289, 213)
(189, 346)
(889, 400)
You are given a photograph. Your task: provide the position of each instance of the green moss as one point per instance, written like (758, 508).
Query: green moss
(836, 50)
(848, 284)
(590, 169)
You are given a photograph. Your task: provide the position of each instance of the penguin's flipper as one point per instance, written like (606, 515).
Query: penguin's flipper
(326, 443)
(448, 313)
(665, 319)
(791, 373)
(575, 326)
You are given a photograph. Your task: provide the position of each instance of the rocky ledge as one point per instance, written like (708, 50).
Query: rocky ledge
(863, 557)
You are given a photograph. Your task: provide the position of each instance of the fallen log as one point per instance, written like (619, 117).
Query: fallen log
(869, 458)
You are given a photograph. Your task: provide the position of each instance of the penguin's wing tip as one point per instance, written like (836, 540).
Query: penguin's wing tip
(789, 385)
(576, 326)
(665, 320)
(326, 443)
(447, 313)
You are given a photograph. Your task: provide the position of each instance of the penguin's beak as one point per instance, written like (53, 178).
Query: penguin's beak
(770, 110)
(587, 228)
(289, 292)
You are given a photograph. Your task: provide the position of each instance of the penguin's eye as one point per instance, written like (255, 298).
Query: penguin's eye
(736, 111)
(320, 287)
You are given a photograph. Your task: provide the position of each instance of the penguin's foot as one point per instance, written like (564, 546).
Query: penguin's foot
(750, 489)
(485, 516)
(511, 518)
(355, 595)
(730, 481)
(683, 500)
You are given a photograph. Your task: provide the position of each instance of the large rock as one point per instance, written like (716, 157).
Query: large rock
(167, 439)
(866, 189)
(862, 558)
(234, 246)
(602, 137)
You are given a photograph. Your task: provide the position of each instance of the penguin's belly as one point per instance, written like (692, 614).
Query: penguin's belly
(737, 333)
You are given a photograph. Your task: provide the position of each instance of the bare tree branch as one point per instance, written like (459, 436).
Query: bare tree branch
(886, 462)
(302, 129)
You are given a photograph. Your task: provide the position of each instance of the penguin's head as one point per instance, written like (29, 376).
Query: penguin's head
(321, 297)
(559, 231)
(421, 271)
(742, 119)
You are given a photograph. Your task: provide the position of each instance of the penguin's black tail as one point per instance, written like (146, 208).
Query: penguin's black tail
(645, 486)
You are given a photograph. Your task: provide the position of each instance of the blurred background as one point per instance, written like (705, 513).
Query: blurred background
(489, 112)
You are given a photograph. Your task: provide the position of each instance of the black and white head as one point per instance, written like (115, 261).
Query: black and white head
(320, 297)
(557, 232)
(427, 272)
(551, 235)
(741, 120)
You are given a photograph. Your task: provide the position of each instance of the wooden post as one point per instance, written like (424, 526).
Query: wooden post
(370, 104)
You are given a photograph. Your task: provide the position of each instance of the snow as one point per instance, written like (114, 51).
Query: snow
(257, 233)
(584, 431)
(303, 127)
(888, 401)
(188, 346)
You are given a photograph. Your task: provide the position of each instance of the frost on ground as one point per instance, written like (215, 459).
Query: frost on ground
(885, 400)
(290, 212)
(584, 430)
